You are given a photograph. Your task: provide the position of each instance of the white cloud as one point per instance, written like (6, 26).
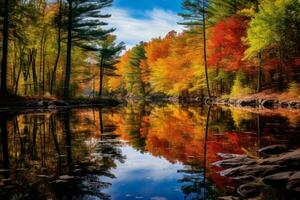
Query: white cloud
(153, 23)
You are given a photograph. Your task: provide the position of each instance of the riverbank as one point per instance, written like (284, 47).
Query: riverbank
(270, 99)
(23, 103)
(278, 168)
(265, 99)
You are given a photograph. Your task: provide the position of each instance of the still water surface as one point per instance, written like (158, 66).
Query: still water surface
(135, 151)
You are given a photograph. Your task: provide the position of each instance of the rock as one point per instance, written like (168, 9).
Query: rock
(253, 170)
(31, 105)
(43, 176)
(273, 149)
(228, 155)
(77, 171)
(284, 104)
(244, 178)
(52, 106)
(291, 159)
(248, 102)
(269, 103)
(248, 190)
(40, 103)
(92, 169)
(66, 177)
(294, 182)
(259, 101)
(278, 179)
(60, 103)
(234, 162)
(229, 198)
(59, 182)
(295, 104)
(295, 176)
(20, 169)
(232, 101)
(4, 170)
(7, 181)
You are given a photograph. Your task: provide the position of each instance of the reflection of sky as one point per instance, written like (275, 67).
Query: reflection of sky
(143, 176)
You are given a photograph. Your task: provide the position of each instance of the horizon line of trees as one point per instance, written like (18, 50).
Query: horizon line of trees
(229, 47)
(50, 48)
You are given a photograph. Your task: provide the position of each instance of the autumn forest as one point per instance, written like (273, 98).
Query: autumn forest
(150, 99)
(228, 49)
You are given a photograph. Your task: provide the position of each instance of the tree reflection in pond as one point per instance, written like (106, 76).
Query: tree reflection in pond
(47, 160)
(135, 151)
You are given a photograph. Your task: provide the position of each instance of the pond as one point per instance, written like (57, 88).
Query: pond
(135, 151)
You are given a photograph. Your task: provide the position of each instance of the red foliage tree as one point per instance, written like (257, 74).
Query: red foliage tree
(226, 46)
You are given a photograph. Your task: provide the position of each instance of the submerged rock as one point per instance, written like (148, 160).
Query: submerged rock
(244, 178)
(291, 159)
(235, 162)
(281, 169)
(294, 182)
(295, 104)
(253, 170)
(273, 149)
(269, 103)
(66, 177)
(228, 155)
(278, 179)
(229, 198)
(248, 190)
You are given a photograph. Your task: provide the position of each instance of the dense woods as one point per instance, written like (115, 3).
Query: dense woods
(252, 46)
(54, 48)
(229, 48)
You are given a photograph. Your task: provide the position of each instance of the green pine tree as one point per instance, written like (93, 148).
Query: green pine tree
(84, 27)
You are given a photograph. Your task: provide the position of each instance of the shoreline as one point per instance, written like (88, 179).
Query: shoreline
(23, 104)
(16, 103)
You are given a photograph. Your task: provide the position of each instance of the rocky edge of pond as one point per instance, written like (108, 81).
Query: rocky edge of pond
(253, 102)
(277, 168)
(8, 103)
(248, 102)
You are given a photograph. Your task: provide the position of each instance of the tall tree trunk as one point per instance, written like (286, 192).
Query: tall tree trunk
(43, 62)
(3, 89)
(281, 69)
(259, 72)
(101, 77)
(20, 70)
(204, 47)
(69, 51)
(33, 67)
(58, 49)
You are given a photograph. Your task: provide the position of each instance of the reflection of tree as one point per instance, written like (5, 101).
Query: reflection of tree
(44, 146)
(4, 142)
(107, 152)
(192, 181)
(134, 119)
(195, 185)
(67, 132)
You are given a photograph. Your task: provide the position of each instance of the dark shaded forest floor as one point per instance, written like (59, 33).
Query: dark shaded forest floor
(37, 102)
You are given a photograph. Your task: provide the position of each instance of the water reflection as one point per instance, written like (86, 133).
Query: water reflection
(135, 151)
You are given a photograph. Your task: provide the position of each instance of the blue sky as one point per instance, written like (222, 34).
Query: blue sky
(173, 5)
(141, 20)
